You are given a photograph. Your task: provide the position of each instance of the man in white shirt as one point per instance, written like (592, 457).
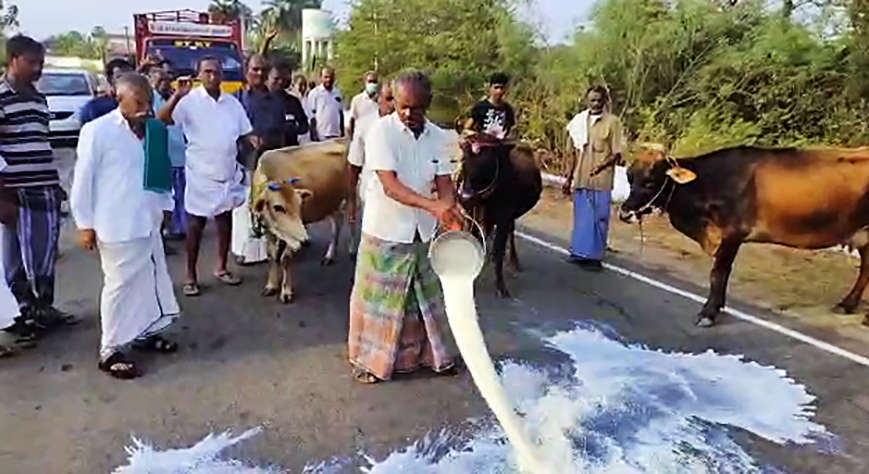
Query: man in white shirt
(213, 122)
(115, 213)
(327, 109)
(396, 307)
(358, 176)
(364, 103)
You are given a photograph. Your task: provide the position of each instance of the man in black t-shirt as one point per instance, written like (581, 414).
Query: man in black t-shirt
(494, 116)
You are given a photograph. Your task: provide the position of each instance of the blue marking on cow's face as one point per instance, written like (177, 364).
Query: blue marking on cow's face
(292, 180)
(274, 187)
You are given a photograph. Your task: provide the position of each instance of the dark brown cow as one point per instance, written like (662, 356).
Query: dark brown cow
(802, 198)
(499, 182)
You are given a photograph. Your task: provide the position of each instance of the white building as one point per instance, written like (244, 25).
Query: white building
(318, 29)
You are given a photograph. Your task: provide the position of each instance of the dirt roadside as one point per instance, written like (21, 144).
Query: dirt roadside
(797, 284)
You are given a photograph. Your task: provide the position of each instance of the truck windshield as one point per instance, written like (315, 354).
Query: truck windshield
(183, 54)
(52, 83)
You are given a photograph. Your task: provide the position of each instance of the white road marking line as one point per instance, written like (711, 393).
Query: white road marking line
(824, 346)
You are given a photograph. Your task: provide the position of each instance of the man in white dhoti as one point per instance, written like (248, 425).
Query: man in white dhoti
(116, 215)
(213, 122)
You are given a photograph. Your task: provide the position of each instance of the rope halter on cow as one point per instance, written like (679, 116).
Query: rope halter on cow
(477, 142)
(676, 174)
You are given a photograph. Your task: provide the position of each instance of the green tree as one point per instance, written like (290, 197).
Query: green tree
(100, 42)
(459, 42)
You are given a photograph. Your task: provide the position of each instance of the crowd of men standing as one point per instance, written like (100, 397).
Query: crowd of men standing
(400, 169)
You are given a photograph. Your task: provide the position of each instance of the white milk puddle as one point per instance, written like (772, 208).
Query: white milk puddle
(615, 408)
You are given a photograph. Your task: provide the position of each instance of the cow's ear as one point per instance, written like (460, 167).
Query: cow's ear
(681, 175)
(304, 193)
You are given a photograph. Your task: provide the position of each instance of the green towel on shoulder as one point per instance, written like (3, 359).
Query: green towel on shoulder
(158, 174)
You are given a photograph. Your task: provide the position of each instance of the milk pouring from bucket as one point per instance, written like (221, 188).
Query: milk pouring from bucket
(458, 257)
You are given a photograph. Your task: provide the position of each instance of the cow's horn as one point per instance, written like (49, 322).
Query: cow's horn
(681, 175)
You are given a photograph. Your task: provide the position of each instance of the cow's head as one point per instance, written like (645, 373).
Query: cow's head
(278, 209)
(653, 176)
(483, 158)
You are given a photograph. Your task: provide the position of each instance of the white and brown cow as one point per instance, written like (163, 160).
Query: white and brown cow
(293, 187)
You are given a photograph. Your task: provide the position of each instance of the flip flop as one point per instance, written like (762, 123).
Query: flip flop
(156, 344)
(119, 367)
(227, 278)
(191, 289)
(364, 377)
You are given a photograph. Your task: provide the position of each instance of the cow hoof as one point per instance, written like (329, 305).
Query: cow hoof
(503, 293)
(705, 322)
(286, 298)
(269, 291)
(843, 308)
(306, 243)
(327, 262)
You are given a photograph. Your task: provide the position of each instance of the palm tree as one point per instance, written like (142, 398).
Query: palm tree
(231, 9)
(286, 15)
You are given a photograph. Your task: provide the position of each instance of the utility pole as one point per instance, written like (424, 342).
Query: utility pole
(127, 37)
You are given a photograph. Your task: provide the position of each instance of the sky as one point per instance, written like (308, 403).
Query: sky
(42, 18)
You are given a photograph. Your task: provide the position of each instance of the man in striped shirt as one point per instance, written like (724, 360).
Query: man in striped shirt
(30, 249)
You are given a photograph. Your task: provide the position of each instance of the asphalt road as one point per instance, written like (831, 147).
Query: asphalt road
(247, 360)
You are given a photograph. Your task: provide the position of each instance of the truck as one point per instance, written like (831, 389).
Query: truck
(181, 37)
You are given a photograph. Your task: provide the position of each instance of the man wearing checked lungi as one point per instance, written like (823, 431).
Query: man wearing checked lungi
(597, 142)
(397, 307)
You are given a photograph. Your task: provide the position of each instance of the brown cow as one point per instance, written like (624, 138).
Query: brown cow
(802, 198)
(292, 187)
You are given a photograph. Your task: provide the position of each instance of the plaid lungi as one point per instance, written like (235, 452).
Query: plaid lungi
(396, 310)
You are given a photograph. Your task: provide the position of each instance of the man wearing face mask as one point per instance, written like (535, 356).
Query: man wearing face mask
(116, 214)
(365, 102)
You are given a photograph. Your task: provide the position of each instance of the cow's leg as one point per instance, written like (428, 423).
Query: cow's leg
(329, 257)
(849, 304)
(718, 281)
(287, 283)
(502, 233)
(276, 250)
(514, 257)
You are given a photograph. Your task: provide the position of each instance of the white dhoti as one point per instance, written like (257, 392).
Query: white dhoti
(244, 243)
(205, 197)
(138, 300)
(8, 304)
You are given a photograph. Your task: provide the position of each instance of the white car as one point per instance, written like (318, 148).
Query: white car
(66, 90)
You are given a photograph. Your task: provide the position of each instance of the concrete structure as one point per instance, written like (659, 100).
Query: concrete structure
(318, 29)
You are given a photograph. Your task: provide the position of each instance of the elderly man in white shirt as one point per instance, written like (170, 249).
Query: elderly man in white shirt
(327, 110)
(358, 175)
(213, 122)
(115, 213)
(396, 307)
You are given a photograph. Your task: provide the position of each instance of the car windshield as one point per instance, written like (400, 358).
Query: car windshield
(53, 83)
(182, 56)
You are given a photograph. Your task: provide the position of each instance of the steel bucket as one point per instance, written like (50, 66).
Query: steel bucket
(458, 252)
